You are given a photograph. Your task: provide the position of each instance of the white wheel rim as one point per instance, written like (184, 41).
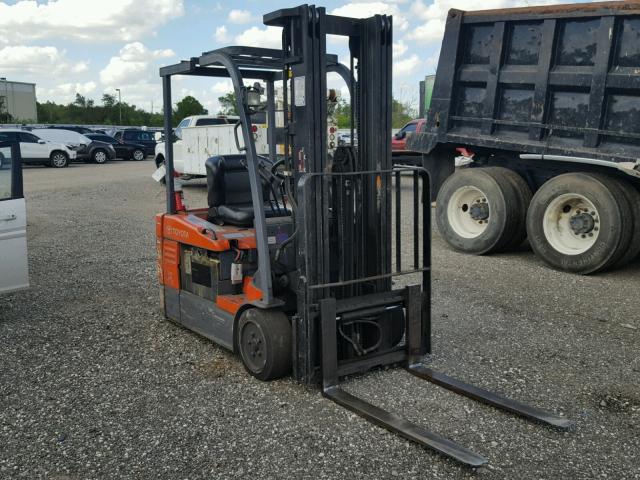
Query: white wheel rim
(101, 157)
(468, 212)
(571, 224)
(59, 160)
(138, 155)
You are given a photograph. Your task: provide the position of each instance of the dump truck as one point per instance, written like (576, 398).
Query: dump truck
(545, 104)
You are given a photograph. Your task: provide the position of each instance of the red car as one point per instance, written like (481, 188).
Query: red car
(399, 140)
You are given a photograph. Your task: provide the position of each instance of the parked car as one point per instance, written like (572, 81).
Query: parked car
(345, 139)
(399, 140)
(36, 149)
(87, 150)
(141, 137)
(73, 128)
(124, 150)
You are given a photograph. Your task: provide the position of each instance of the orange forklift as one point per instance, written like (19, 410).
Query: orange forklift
(315, 263)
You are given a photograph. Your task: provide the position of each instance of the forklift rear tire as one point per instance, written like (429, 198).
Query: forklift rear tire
(480, 211)
(264, 342)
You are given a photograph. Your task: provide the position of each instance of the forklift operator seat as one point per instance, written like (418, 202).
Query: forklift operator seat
(229, 192)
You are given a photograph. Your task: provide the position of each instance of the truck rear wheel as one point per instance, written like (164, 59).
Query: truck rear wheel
(264, 342)
(580, 222)
(633, 197)
(481, 210)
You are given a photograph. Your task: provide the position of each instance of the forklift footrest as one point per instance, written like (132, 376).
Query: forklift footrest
(403, 427)
(489, 398)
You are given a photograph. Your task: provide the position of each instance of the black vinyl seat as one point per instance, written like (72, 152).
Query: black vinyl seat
(229, 192)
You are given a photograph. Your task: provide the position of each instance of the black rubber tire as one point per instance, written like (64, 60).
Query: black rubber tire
(524, 196)
(163, 180)
(53, 156)
(504, 219)
(133, 155)
(632, 251)
(273, 330)
(94, 156)
(614, 215)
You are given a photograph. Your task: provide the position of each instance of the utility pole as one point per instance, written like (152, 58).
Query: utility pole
(119, 104)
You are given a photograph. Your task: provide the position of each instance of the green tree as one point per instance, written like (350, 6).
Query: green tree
(80, 101)
(342, 114)
(188, 106)
(108, 100)
(228, 104)
(84, 111)
(401, 113)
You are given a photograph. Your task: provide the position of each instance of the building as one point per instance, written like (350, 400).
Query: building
(18, 99)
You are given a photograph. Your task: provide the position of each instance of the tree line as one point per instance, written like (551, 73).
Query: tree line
(110, 112)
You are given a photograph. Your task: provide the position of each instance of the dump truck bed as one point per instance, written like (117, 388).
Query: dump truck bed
(562, 80)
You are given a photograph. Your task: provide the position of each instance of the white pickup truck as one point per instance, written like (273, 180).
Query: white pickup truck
(202, 136)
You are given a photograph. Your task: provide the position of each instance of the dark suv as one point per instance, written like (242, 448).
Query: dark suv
(141, 137)
(124, 150)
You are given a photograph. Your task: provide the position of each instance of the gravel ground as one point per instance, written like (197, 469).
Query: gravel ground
(96, 384)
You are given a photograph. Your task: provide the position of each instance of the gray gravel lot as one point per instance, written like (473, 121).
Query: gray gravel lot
(94, 383)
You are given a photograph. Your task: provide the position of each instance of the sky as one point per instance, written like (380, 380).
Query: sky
(92, 47)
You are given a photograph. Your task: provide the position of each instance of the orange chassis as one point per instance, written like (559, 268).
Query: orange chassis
(192, 228)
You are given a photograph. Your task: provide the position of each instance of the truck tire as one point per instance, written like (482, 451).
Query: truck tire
(633, 197)
(580, 222)
(524, 196)
(159, 162)
(264, 342)
(479, 210)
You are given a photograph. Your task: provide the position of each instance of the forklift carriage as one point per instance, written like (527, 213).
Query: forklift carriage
(297, 263)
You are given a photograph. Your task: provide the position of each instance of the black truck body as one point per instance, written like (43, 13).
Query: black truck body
(559, 80)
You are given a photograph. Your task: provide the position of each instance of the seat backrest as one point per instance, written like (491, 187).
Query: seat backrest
(227, 181)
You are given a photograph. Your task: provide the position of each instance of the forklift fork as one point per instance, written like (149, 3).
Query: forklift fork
(399, 425)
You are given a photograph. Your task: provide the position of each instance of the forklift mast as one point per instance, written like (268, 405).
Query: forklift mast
(346, 242)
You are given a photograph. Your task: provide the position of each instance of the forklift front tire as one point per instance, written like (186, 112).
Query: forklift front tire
(264, 342)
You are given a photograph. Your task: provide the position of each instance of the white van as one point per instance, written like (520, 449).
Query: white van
(202, 136)
(14, 272)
